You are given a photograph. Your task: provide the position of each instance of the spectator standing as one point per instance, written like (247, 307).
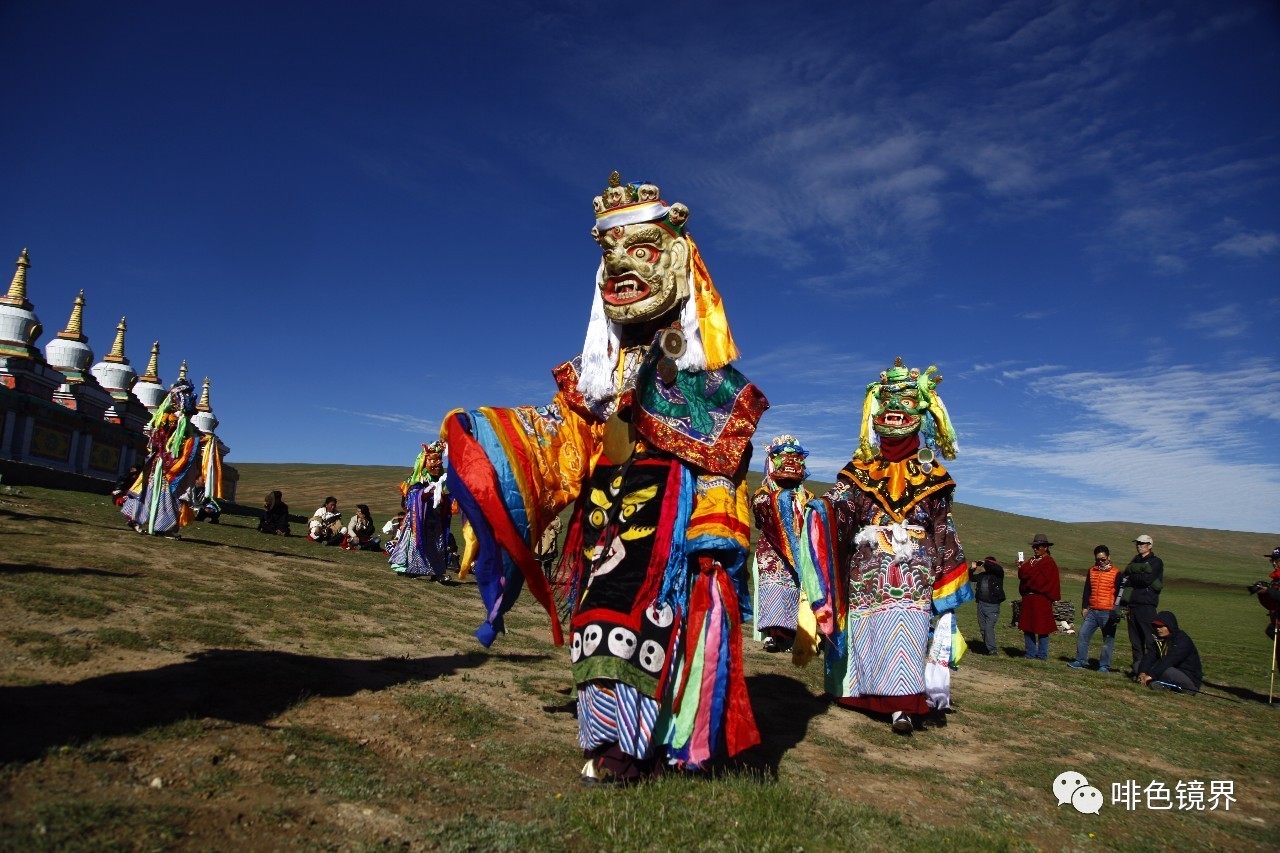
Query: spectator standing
(1039, 586)
(1143, 579)
(987, 576)
(1172, 658)
(1098, 607)
(1268, 592)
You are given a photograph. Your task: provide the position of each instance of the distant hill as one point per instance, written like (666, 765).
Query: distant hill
(1191, 554)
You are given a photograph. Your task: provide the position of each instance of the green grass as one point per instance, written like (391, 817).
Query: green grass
(456, 751)
(95, 826)
(455, 713)
(324, 762)
(122, 638)
(56, 602)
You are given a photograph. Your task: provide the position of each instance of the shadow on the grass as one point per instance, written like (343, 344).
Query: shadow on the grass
(22, 569)
(210, 543)
(36, 516)
(234, 685)
(783, 707)
(1242, 692)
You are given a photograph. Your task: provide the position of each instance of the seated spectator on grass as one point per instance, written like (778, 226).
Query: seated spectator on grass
(360, 531)
(391, 531)
(325, 525)
(121, 489)
(275, 515)
(1172, 662)
(204, 508)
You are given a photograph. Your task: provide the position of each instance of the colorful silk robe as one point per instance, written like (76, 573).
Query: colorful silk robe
(654, 558)
(880, 556)
(423, 543)
(155, 500)
(779, 515)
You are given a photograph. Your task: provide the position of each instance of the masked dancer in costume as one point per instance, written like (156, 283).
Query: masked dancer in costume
(880, 555)
(649, 438)
(178, 456)
(424, 541)
(778, 506)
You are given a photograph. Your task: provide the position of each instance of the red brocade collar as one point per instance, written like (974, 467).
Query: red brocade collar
(895, 478)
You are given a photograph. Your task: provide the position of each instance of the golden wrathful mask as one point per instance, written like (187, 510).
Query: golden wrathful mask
(646, 256)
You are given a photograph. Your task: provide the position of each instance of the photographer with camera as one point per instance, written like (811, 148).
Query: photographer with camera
(1142, 581)
(987, 577)
(1268, 592)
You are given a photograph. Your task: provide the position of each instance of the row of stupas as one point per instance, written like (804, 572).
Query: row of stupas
(109, 392)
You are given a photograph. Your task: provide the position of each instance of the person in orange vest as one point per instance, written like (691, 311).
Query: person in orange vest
(1098, 609)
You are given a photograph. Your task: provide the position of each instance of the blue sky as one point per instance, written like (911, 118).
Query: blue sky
(354, 217)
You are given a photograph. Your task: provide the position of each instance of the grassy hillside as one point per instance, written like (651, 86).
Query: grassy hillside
(236, 691)
(1219, 557)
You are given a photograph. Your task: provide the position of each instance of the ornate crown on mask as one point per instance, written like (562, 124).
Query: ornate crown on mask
(784, 443)
(936, 430)
(628, 204)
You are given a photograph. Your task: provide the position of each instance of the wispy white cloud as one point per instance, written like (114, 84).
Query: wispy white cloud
(1182, 445)
(811, 364)
(1030, 371)
(1249, 245)
(1225, 321)
(407, 423)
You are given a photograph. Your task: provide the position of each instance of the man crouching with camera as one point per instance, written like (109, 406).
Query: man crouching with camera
(1172, 662)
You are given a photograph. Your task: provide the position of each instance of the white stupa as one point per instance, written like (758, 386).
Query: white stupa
(150, 387)
(19, 325)
(22, 367)
(114, 372)
(69, 351)
(204, 419)
(70, 355)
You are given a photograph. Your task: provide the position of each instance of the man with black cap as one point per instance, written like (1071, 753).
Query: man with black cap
(1172, 661)
(1142, 581)
(988, 588)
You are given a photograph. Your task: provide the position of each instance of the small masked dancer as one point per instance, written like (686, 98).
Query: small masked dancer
(778, 506)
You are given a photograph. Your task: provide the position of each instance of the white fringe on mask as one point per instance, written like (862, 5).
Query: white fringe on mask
(599, 351)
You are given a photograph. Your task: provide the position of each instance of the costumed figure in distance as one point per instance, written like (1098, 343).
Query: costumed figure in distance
(178, 455)
(778, 506)
(648, 437)
(880, 557)
(424, 542)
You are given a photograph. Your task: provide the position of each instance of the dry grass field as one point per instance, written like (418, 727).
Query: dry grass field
(235, 691)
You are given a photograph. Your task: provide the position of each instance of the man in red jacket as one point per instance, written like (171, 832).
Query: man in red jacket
(1038, 583)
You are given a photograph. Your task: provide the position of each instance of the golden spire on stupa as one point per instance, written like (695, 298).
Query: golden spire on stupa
(203, 405)
(153, 366)
(182, 371)
(117, 348)
(17, 294)
(74, 330)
